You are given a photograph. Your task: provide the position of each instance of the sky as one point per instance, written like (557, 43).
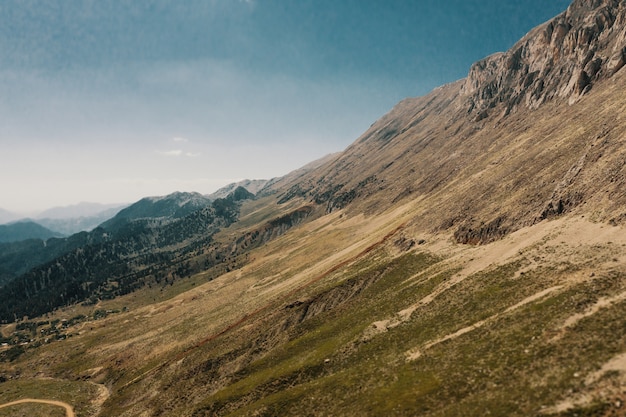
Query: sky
(113, 100)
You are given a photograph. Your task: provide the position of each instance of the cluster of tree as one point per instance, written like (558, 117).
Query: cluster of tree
(16, 258)
(113, 263)
(32, 334)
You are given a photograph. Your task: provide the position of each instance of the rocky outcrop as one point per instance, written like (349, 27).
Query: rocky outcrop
(479, 234)
(561, 59)
(272, 229)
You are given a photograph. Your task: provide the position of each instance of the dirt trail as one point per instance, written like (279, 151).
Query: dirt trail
(416, 353)
(69, 410)
(603, 302)
(596, 386)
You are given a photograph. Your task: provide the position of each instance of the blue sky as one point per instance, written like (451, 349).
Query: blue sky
(110, 101)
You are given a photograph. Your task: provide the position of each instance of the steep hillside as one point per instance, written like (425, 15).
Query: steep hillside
(466, 256)
(482, 155)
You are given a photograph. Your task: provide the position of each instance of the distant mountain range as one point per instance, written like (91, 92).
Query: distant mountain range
(71, 225)
(67, 220)
(152, 220)
(121, 256)
(173, 206)
(80, 210)
(61, 221)
(8, 216)
(24, 230)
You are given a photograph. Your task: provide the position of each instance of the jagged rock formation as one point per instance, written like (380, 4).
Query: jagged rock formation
(498, 135)
(562, 58)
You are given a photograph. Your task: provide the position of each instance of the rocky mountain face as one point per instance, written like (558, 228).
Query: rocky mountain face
(468, 147)
(562, 58)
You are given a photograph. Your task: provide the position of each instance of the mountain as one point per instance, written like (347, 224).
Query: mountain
(77, 218)
(464, 256)
(468, 147)
(7, 216)
(17, 258)
(25, 230)
(123, 256)
(144, 218)
(173, 206)
(80, 210)
(563, 58)
(253, 186)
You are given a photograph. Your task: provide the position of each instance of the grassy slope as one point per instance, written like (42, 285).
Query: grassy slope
(326, 369)
(349, 354)
(81, 395)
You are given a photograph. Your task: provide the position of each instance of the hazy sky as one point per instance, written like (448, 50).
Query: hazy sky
(110, 101)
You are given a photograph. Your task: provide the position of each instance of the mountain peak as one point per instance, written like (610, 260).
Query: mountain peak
(560, 59)
(172, 206)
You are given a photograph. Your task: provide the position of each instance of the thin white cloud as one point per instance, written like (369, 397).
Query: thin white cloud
(174, 152)
(178, 153)
(180, 140)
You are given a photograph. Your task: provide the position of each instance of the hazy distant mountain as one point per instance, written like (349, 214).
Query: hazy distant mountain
(253, 186)
(7, 216)
(18, 257)
(24, 230)
(69, 226)
(78, 210)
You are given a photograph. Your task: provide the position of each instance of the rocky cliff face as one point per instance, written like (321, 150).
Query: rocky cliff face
(486, 175)
(563, 58)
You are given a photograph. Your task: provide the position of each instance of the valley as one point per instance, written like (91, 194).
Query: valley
(259, 337)
(465, 256)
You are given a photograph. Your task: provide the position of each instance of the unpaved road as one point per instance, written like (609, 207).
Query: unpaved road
(69, 411)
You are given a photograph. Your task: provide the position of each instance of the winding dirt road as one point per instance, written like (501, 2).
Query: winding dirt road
(69, 411)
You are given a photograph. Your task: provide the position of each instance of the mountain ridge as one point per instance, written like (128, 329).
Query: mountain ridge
(83, 209)
(24, 230)
(448, 262)
(451, 129)
(171, 206)
(563, 58)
